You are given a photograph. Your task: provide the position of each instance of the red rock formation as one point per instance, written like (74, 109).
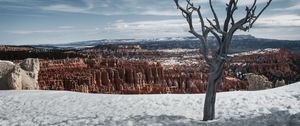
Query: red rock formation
(116, 76)
(279, 64)
(113, 75)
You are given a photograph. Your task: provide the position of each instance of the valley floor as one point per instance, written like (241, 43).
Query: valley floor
(277, 107)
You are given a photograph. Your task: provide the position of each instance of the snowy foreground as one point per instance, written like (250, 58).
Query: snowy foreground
(276, 107)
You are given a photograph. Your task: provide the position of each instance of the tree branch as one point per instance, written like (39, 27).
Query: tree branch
(187, 14)
(268, 3)
(250, 17)
(233, 10)
(228, 15)
(215, 35)
(215, 15)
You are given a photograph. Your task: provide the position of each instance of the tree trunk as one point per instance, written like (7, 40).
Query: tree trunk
(210, 96)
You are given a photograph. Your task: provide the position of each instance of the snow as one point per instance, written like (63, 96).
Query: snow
(171, 62)
(172, 39)
(177, 50)
(259, 51)
(8, 62)
(74, 46)
(276, 107)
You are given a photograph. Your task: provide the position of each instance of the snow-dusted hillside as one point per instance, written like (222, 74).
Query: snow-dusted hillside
(259, 51)
(276, 107)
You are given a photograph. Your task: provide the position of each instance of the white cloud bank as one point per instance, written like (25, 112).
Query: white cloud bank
(179, 27)
(69, 8)
(247, 2)
(173, 28)
(294, 7)
(149, 29)
(280, 21)
(60, 29)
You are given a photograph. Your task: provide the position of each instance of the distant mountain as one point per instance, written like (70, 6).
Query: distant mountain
(240, 43)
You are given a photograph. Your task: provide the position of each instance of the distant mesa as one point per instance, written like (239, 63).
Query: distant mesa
(240, 43)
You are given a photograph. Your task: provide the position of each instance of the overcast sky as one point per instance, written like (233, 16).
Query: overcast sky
(62, 21)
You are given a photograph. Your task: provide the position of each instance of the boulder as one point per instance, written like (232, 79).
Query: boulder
(279, 83)
(19, 76)
(258, 82)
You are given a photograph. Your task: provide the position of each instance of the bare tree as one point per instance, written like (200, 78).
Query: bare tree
(223, 35)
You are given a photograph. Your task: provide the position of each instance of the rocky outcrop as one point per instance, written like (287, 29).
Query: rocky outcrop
(19, 76)
(279, 83)
(32, 67)
(275, 64)
(123, 68)
(258, 82)
(109, 75)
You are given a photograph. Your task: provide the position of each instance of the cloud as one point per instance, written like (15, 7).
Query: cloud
(139, 18)
(149, 29)
(121, 7)
(247, 2)
(279, 33)
(159, 13)
(23, 15)
(61, 29)
(141, 25)
(65, 27)
(289, 20)
(104, 8)
(70, 8)
(107, 7)
(295, 7)
(118, 7)
(179, 27)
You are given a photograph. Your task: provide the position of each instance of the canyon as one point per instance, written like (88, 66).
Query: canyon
(130, 69)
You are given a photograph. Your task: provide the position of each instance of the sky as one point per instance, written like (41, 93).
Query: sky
(63, 21)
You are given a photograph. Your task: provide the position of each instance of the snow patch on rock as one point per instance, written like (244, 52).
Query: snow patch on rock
(259, 51)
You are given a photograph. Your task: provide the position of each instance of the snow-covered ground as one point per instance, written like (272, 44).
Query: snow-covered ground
(177, 50)
(276, 107)
(259, 51)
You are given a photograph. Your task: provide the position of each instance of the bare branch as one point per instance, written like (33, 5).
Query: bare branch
(232, 12)
(215, 35)
(228, 15)
(218, 38)
(187, 14)
(253, 5)
(201, 19)
(250, 17)
(211, 24)
(260, 13)
(215, 16)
